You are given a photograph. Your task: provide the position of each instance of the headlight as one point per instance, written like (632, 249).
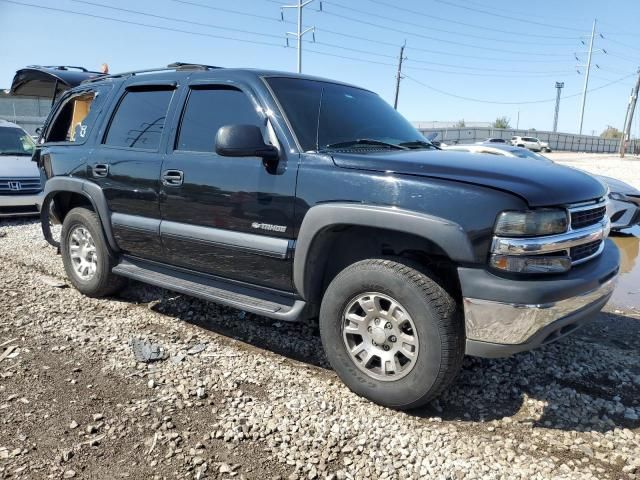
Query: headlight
(531, 223)
(618, 196)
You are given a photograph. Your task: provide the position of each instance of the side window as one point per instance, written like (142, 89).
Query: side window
(74, 117)
(139, 119)
(209, 109)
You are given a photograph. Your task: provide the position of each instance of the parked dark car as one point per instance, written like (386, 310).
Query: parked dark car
(292, 197)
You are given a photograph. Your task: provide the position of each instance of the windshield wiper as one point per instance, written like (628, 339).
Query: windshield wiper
(419, 144)
(363, 141)
(16, 153)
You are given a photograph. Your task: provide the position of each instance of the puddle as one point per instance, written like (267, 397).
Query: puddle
(627, 293)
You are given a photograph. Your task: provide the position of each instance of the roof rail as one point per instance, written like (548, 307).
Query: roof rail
(175, 66)
(59, 67)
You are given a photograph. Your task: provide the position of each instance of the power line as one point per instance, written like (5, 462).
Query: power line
(228, 10)
(179, 20)
(471, 25)
(139, 24)
(436, 29)
(508, 17)
(387, 28)
(493, 102)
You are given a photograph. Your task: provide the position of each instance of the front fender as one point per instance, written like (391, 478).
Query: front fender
(448, 235)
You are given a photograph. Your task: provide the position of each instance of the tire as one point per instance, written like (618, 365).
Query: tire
(101, 282)
(436, 323)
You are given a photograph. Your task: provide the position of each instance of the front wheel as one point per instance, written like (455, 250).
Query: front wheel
(391, 333)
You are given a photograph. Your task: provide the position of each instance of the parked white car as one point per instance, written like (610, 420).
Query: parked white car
(624, 200)
(532, 143)
(21, 183)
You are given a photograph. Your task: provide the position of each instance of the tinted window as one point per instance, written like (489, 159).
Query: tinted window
(529, 139)
(139, 119)
(323, 113)
(209, 109)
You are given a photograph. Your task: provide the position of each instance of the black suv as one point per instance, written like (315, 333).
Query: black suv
(293, 197)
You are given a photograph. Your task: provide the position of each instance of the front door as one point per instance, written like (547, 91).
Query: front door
(231, 217)
(127, 163)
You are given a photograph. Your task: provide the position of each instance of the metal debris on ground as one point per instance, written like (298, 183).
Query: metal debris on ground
(197, 349)
(146, 351)
(52, 281)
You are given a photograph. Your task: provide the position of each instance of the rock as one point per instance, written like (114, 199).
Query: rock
(69, 474)
(73, 425)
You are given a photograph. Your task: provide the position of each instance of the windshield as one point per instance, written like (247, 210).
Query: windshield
(522, 153)
(15, 141)
(326, 115)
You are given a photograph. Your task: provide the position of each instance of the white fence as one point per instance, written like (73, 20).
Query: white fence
(557, 141)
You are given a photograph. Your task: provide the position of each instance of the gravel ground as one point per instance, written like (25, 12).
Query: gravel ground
(246, 397)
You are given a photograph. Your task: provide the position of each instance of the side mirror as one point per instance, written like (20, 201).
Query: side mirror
(243, 141)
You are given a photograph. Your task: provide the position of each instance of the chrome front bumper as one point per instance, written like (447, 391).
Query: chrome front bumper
(10, 202)
(510, 323)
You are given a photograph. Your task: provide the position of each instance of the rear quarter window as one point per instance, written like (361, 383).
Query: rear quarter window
(76, 115)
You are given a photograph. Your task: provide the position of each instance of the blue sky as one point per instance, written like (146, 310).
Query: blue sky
(498, 51)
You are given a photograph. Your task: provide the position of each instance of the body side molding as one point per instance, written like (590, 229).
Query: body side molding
(258, 244)
(449, 236)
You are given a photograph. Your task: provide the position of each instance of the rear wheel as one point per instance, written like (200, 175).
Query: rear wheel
(86, 256)
(391, 333)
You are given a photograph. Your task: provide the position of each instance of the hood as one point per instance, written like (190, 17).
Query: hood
(539, 183)
(13, 166)
(617, 186)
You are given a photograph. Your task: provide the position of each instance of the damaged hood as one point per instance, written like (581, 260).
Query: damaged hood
(539, 183)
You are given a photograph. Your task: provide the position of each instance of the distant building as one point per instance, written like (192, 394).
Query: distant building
(439, 124)
(28, 112)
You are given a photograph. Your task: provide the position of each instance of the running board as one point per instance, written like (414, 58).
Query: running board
(261, 302)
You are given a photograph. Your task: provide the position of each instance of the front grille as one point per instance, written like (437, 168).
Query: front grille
(587, 217)
(584, 251)
(20, 186)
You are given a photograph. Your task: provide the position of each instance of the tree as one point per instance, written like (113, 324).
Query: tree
(460, 124)
(611, 132)
(501, 122)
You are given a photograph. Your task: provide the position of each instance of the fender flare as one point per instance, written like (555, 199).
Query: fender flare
(448, 235)
(90, 191)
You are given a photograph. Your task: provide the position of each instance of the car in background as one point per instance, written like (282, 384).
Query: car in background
(493, 140)
(21, 183)
(531, 143)
(624, 203)
(624, 200)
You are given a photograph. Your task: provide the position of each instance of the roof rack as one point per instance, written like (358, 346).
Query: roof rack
(60, 67)
(175, 66)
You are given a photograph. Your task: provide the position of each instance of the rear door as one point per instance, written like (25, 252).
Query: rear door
(232, 217)
(127, 162)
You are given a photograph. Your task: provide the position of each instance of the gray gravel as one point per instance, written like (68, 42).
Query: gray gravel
(246, 397)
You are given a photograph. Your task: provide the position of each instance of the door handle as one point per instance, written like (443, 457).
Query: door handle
(100, 170)
(172, 178)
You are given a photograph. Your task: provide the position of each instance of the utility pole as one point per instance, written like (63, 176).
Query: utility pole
(518, 121)
(300, 33)
(399, 75)
(559, 87)
(626, 134)
(586, 78)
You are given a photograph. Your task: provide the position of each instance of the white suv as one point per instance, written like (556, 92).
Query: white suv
(20, 179)
(531, 143)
